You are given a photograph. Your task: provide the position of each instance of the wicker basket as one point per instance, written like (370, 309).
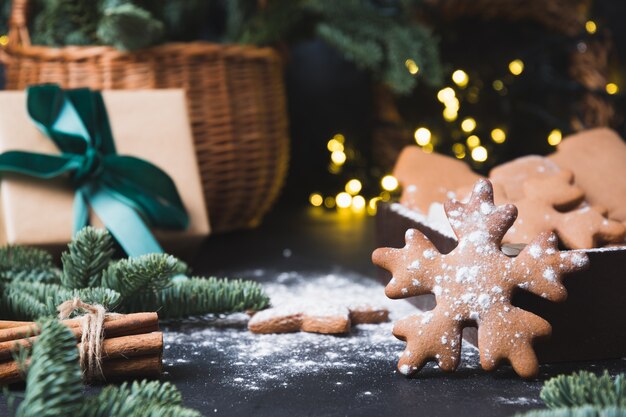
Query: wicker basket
(235, 96)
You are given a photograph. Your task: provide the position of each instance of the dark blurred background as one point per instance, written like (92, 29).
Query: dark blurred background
(483, 81)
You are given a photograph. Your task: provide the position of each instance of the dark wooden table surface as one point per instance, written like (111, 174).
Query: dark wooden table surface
(306, 240)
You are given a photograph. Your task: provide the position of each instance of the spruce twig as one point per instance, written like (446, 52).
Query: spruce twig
(88, 255)
(585, 388)
(583, 394)
(145, 273)
(53, 381)
(147, 283)
(195, 296)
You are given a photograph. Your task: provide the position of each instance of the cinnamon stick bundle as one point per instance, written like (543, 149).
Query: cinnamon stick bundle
(132, 346)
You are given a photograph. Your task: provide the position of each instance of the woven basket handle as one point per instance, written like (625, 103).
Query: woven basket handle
(18, 24)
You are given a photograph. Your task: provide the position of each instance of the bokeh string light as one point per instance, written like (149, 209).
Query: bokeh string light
(462, 129)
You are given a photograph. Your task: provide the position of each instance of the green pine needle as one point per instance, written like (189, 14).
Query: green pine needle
(145, 273)
(87, 257)
(145, 398)
(152, 282)
(27, 264)
(129, 27)
(33, 300)
(585, 411)
(53, 382)
(584, 388)
(583, 394)
(195, 296)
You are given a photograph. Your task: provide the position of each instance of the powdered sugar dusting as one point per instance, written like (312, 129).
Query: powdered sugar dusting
(274, 360)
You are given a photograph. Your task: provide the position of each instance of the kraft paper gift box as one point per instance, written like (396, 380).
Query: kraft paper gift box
(152, 125)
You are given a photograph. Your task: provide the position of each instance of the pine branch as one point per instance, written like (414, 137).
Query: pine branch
(53, 382)
(88, 256)
(584, 388)
(66, 22)
(129, 27)
(194, 296)
(145, 273)
(21, 306)
(33, 300)
(586, 411)
(147, 283)
(27, 264)
(138, 400)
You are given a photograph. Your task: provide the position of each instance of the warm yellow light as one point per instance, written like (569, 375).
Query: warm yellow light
(329, 202)
(459, 150)
(555, 137)
(372, 206)
(473, 141)
(452, 104)
(316, 199)
(338, 157)
(460, 78)
(4, 40)
(422, 136)
(612, 88)
(479, 154)
(497, 85)
(389, 183)
(428, 148)
(450, 114)
(340, 138)
(353, 186)
(591, 27)
(498, 135)
(446, 94)
(358, 202)
(411, 66)
(334, 145)
(385, 196)
(468, 124)
(343, 200)
(516, 66)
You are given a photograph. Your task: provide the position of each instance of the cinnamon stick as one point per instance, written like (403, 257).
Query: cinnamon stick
(7, 324)
(135, 355)
(122, 325)
(140, 366)
(131, 321)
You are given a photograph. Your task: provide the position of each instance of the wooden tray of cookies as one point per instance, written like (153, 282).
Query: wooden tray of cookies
(589, 325)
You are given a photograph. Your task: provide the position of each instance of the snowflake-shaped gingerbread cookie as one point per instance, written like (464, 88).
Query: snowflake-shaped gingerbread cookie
(473, 286)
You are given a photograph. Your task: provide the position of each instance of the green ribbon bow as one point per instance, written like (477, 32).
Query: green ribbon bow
(123, 191)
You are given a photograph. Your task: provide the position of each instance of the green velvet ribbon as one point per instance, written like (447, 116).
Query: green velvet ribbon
(125, 192)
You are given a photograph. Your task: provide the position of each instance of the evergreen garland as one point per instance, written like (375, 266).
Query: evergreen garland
(147, 283)
(378, 36)
(583, 394)
(54, 386)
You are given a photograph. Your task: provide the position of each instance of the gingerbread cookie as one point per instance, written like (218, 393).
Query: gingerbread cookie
(597, 158)
(543, 208)
(512, 175)
(418, 172)
(321, 318)
(473, 286)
